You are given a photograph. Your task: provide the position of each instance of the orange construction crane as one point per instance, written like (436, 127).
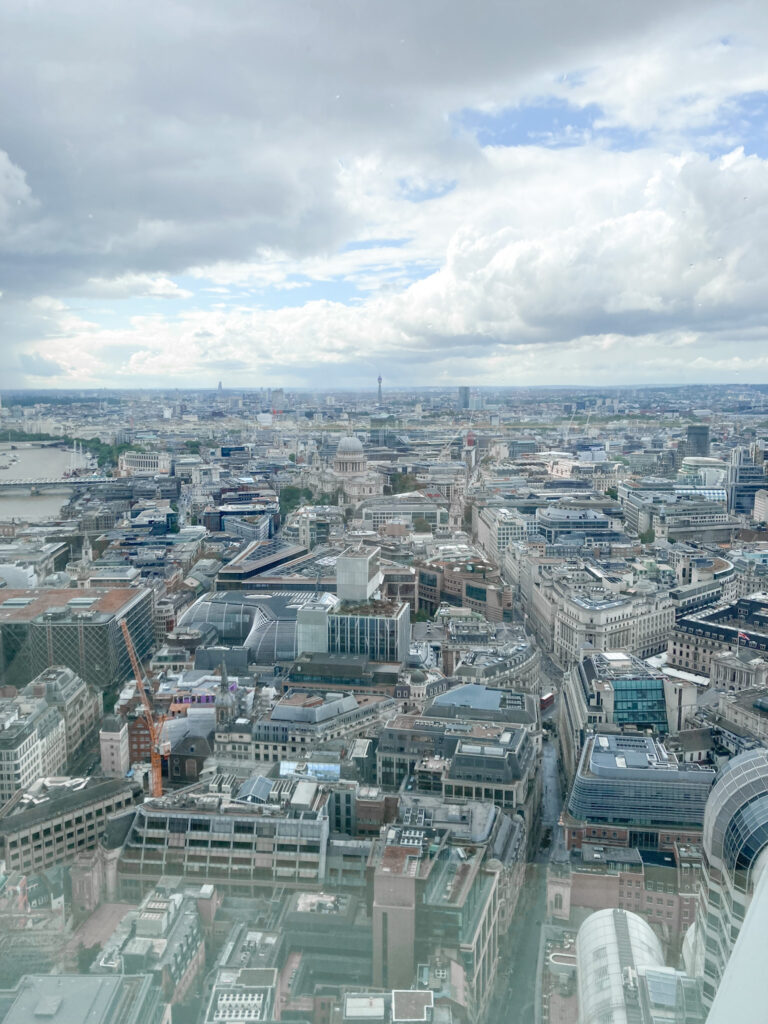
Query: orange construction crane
(154, 726)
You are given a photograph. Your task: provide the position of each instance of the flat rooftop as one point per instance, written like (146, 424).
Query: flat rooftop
(57, 799)
(25, 605)
(73, 998)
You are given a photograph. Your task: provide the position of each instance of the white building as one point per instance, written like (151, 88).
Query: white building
(80, 705)
(497, 528)
(358, 575)
(133, 463)
(760, 514)
(32, 743)
(114, 746)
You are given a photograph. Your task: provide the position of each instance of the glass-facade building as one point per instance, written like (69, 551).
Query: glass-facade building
(633, 780)
(735, 848)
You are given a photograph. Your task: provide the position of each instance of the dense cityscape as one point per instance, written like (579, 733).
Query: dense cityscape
(441, 704)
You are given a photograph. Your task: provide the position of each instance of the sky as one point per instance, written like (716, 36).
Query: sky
(311, 194)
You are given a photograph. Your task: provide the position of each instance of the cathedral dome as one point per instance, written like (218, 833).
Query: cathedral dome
(349, 446)
(350, 457)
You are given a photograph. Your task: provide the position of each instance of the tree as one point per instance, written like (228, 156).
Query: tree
(292, 497)
(403, 482)
(612, 492)
(85, 957)
(648, 537)
(421, 525)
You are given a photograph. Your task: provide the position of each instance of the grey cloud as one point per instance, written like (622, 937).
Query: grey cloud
(154, 136)
(37, 365)
(143, 140)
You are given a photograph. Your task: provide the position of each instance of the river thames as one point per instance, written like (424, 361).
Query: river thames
(32, 463)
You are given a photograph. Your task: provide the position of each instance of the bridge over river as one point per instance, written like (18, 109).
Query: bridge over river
(53, 483)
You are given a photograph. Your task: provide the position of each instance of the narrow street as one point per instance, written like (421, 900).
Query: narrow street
(513, 1002)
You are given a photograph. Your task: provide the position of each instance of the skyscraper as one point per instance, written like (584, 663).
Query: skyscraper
(379, 389)
(463, 397)
(697, 439)
(734, 843)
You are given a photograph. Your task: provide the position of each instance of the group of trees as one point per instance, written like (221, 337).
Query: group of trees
(291, 497)
(402, 483)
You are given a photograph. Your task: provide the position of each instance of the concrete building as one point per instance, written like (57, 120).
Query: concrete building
(747, 710)
(554, 521)
(164, 938)
(301, 722)
(404, 508)
(423, 888)
(242, 846)
(114, 746)
(637, 621)
(57, 818)
(742, 670)
(467, 753)
(61, 999)
(358, 574)
(497, 528)
(80, 705)
(380, 630)
(760, 510)
(678, 517)
(32, 743)
(134, 463)
(733, 627)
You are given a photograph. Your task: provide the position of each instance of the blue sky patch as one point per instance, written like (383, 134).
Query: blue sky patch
(375, 243)
(743, 121)
(421, 191)
(552, 122)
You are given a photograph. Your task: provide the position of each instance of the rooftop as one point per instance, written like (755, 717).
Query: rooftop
(25, 605)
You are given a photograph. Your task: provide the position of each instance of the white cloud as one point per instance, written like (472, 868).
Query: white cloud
(254, 154)
(132, 285)
(607, 257)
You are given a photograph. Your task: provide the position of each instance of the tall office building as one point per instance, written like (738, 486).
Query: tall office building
(463, 397)
(735, 842)
(743, 481)
(697, 439)
(77, 629)
(381, 630)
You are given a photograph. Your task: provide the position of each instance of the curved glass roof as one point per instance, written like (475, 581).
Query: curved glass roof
(265, 623)
(609, 942)
(736, 817)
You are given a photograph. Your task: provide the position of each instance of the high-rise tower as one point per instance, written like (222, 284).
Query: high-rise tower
(379, 389)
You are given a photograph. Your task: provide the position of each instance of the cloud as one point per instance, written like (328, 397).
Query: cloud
(254, 168)
(132, 285)
(36, 365)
